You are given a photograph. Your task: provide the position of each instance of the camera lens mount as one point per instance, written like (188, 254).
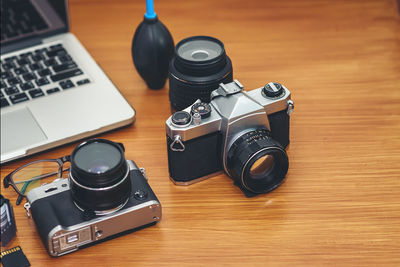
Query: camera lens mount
(99, 176)
(257, 162)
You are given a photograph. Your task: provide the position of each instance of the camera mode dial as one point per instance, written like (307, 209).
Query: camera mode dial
(272, 89)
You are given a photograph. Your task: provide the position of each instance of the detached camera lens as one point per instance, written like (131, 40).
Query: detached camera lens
(99, 175)
(199, 65)
(257, 162)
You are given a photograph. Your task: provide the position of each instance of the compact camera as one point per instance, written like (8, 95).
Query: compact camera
(105, 196)
(244, 133)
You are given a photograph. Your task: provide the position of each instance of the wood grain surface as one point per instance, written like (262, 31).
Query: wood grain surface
(340, 204)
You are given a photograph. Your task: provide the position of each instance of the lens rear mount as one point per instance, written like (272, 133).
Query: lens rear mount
(256, 162)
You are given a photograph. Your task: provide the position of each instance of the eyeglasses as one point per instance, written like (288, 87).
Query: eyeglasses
(35, 174)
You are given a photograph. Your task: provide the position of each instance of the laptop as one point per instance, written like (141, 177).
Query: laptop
(52, 91)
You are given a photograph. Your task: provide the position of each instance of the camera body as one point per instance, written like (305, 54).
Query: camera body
(237, 122)
(64, 227)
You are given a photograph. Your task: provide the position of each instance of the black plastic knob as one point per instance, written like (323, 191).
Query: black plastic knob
(273, 89)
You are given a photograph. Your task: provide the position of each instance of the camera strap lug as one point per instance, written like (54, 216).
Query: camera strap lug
(27, 207)
(290, 107)
(143, 171)
(177, 141)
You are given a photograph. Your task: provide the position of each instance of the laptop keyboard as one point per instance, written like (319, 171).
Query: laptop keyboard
(18, 18)
(38, 73)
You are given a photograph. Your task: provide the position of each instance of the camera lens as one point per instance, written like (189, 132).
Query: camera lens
(99, 176)
(257, 162)
(199, 65)
(262, 167)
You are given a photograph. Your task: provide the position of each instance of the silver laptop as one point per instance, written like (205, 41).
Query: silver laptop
(52, 91)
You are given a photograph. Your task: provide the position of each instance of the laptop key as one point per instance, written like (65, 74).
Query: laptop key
(65, 58)
(58, 51)
(44, 72)
(11, 90)
(82, 82)
(10, 59)
(42, 81)
(14, 80)
(53, 90)
(23, 61)
(2, 84)
(27, 54)
(63, 67)
(50, 62)
(36, 66)
(29, 76)
(20, 70)
(8, 65)
(18, 98)
(37, 57)
(41, 50)
(4, 102)
(5, 75)
(65, 75)
(36, 93)
(27, 86)
(66, 84)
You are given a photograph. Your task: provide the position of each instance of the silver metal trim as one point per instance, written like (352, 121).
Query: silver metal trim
(99, 189)
(109, 225)
(104, 212)
(290, 107)
(196, 180)
(177, 140)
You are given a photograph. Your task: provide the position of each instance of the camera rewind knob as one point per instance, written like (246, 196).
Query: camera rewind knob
(272, 89)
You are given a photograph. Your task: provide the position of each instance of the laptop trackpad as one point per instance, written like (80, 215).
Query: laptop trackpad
(19, 130)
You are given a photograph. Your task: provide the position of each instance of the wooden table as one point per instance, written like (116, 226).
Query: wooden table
(340, 204)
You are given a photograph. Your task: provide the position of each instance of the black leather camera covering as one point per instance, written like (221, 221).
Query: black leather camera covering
(279, 123)
(202, 156)
(59, 209)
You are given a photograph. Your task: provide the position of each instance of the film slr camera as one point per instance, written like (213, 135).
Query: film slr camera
(242, 133)
(104, 196)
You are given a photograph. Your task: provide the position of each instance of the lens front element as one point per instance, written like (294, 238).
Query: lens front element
(262, 166)
(97, 157)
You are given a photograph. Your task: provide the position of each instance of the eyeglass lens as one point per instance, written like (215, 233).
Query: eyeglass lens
(36, 174)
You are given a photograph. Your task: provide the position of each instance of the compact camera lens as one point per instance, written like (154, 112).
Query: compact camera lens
(99, 175)
(257, 162)
(199, 65)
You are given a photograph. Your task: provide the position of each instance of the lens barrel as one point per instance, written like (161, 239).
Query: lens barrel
(99, 176)
(199, 65)
(256, 162)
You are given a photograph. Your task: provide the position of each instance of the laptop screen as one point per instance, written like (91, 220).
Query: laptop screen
(25, 19)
